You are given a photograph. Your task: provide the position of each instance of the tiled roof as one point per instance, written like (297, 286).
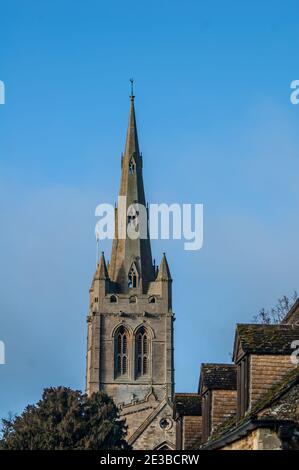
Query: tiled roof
(187, 404)
(218, 376)
(267, 339)
(277, 390)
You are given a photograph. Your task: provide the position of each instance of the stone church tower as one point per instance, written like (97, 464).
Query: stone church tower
(130, 322)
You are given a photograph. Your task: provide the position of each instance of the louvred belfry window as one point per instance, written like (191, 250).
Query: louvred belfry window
(142, 353)
(121, 352)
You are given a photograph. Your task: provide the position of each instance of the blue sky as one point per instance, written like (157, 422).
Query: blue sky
(216, 126)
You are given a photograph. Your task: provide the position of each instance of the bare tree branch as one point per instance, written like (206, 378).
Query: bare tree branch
(277, 313)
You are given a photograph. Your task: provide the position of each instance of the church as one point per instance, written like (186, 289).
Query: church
(130, 322)
(249, 404)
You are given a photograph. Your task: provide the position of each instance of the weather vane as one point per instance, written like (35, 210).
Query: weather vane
(132, 86)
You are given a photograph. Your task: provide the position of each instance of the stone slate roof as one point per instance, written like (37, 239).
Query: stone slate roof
(187, 404)
(266, 339)
(278, 390)
(218, 377)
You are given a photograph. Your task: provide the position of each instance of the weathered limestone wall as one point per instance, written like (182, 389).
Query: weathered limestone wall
(157, 430)
(259, 439)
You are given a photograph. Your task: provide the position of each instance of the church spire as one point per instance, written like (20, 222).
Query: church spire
(128, 253)
(132, 146)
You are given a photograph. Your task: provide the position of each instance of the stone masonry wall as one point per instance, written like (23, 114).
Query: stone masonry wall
(192, 426)
(153, 436)
(224, 405)
(259, 439)
(264, 372)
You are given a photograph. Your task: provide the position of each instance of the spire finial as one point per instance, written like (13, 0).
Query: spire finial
(132, 88)
(98, 248)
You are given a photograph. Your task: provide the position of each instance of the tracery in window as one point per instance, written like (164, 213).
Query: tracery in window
(132, 278)
(142, 352)
(121, 351)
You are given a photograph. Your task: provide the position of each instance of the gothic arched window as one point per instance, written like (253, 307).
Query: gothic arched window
(142, 352)
(132, 278)
(132, 166)
(121, 352)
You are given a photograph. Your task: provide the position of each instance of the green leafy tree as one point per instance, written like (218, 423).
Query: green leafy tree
(66, 419)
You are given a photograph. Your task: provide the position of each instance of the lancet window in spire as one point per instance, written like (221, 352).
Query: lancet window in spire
(132, 166)
(132, 278)
(133, 214)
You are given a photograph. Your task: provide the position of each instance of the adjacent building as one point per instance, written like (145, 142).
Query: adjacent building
(252, 404)
(187, 413)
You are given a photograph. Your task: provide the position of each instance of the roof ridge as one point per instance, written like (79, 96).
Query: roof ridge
(218, 364)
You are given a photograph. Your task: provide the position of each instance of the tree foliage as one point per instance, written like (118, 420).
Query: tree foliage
(277, 313)
(66, 419)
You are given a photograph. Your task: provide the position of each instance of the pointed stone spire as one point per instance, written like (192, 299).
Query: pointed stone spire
(126, 251)
(132, 146)
(102, 272)
(164, 272)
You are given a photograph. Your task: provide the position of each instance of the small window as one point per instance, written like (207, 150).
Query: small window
(132, 166)
(165, 423)
(152, 300)
(96, 299)
(132, 279)
(113, 299)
